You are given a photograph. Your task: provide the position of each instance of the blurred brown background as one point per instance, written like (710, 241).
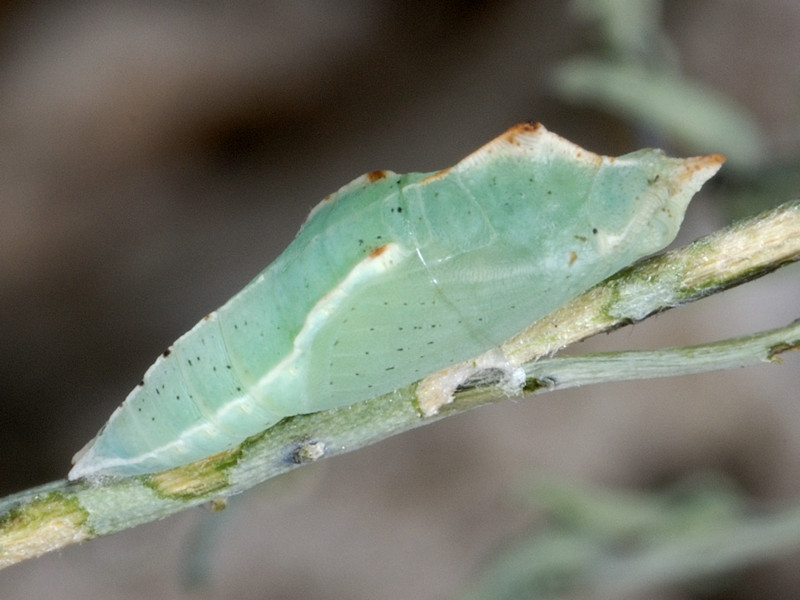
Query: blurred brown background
(154, 157)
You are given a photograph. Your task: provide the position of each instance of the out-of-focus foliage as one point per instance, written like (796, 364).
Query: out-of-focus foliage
(637, 77)
(603, 543)
(696, 117)
(635, 74)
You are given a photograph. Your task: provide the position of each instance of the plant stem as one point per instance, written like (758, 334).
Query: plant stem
(61, 513)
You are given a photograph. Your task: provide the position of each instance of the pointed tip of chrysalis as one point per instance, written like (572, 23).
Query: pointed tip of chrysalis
(690, 177)
(90, 463)
(700, 169)
(81, 463)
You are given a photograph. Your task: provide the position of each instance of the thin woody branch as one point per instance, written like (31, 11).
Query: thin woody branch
(61, 513)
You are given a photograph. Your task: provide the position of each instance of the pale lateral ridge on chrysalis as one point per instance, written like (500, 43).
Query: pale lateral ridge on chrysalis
(285, 373)
(396, 279)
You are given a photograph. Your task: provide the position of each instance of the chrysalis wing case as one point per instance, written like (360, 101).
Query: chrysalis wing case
(395, 277)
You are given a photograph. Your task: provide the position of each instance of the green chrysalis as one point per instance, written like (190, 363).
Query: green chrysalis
(395, 277)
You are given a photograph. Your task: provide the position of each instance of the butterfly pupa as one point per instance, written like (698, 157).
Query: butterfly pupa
(395, 277)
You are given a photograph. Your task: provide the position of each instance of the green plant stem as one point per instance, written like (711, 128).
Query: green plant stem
(61, 513)
(572, 371)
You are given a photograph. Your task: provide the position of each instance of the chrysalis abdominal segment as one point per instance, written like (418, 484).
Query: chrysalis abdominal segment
(395, 277)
